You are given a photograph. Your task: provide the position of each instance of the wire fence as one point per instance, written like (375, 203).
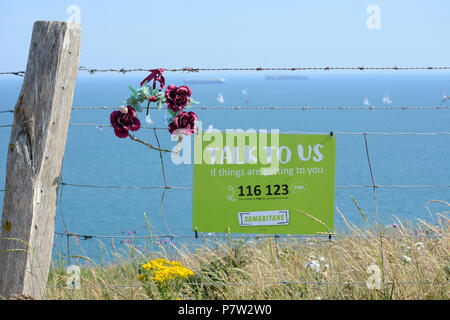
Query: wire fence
(327, 238)
(257, 69)
(304, 108)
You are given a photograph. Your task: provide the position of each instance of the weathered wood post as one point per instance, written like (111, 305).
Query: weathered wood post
(35, 154)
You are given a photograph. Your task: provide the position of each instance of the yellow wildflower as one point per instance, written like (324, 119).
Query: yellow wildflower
(162, 270)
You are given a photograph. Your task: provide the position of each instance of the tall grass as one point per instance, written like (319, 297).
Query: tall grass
(413, 263)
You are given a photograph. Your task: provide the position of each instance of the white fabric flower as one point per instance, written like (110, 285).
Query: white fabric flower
(123, 109)
(313, 265)
(406, 259)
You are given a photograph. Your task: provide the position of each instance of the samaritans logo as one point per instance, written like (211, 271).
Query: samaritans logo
(264, 218)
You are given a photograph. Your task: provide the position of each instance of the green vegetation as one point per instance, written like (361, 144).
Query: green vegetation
(411, 262)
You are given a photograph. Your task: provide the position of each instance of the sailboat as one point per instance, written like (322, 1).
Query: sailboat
(386, 99)
(220, 98)
(366, 101)
(205, 81)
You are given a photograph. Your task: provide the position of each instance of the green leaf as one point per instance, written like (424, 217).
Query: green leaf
(192, 101)
(132, 89)
(169, 120)
(172, 113)
(145, 91)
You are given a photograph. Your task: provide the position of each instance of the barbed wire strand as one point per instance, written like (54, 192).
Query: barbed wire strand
(190, 188)
(124, 187)
(326, 68)
(14, 73)
(369, 108)
(304, 108)
(223, 284)
(286, 132)
(325, 237)
(257, 69)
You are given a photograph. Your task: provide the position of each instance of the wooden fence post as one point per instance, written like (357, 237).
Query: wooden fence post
(34, 161)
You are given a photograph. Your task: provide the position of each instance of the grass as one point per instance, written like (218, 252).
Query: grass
(412, 262)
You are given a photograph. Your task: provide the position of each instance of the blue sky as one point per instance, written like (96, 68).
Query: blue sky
(238, 33)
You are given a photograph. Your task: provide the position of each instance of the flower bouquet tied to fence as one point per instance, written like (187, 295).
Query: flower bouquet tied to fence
(177, 100)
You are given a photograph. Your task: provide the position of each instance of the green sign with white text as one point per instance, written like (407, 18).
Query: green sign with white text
(248, 182)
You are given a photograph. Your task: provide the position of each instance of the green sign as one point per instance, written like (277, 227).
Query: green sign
(263, 183)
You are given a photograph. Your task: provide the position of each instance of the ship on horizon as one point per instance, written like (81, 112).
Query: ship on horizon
(201, 81)
(285, 77)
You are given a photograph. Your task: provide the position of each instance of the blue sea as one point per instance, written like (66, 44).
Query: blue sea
(94, 156)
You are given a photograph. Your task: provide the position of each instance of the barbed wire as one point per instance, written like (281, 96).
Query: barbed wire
(14, 73)
(304, 108)
(367, 108)
(325, 237)
(190, 188)
(258, 69)
(102, 125)
(123, 187)
(290, 132)
(326, 68)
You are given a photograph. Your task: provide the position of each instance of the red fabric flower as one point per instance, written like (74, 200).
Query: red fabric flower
(177, 97)
(183, 122)
(124, 120)
(155, 75)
